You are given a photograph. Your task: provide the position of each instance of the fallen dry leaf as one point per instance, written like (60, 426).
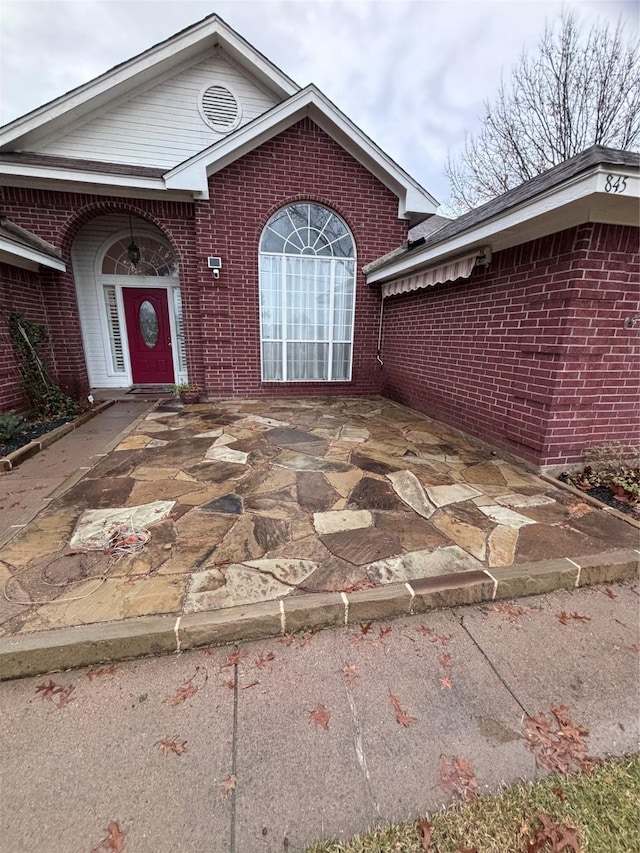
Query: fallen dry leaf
(445, 683)
(402, 718)
(350, 672)
(247, 686)
(114, 842)
(434, 637)
(65, 696)
(305, 639)
(234, 658)
(287, 640)
(424, 834)
(188, 689)
(230, 683)
(563, 618)
(228, 785)
(634, 647)
(560, 836)
(100, 672)
(384, 632)
(47, 691)
(320, 716)
(458, 777)
(174, 744)
(557, 743)
(512, 612)
(609, 593)
(263, 660)
(445, 660)
(366, 627)
(363, 584)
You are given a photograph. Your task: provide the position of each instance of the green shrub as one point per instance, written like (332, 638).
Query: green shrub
(10, 423)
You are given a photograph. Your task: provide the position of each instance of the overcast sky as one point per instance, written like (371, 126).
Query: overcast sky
(413, 75)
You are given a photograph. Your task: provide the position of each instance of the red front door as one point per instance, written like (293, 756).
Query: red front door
(147, 314)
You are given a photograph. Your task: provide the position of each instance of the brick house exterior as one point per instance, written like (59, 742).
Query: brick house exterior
(534, 350)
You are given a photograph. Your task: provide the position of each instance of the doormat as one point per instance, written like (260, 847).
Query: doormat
(165, 390)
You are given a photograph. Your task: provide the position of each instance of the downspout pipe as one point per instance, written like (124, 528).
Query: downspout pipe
(379, 352)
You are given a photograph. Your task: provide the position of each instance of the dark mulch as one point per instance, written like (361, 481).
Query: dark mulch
(607, 496)
(29, 432)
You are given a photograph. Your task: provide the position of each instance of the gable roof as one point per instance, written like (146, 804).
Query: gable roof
(553, 201)
(139, 72)
(414, 202)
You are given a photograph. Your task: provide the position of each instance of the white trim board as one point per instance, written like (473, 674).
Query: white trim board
(579, 200)
(138, 73)
(414, 202)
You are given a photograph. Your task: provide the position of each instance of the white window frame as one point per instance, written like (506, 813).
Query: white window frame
(329, 340)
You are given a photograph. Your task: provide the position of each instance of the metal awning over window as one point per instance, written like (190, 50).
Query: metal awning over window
(449, 271)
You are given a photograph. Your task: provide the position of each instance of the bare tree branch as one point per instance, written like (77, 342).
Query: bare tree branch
(576, 91)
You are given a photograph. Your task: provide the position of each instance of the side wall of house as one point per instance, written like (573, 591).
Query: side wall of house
(301, 164)
(20, 293)
(529, 354)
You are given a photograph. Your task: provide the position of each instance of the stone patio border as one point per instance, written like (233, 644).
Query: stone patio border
(85, 645)
(7, 463)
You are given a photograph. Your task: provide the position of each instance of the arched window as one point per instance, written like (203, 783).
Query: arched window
(156, 258)
(307, 295)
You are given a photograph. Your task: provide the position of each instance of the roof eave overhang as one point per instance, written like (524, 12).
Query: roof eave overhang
(78, 180)
(139, 72)
(414, 202)
(579, 200)
(27, 258)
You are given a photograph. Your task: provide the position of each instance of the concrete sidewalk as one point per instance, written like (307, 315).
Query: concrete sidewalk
(84, 748)
(29, 488)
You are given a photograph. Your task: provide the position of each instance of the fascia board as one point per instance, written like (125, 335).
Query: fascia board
(155, 60)
(32, 256)
(192, 174)
(579, 188)
(17, 170)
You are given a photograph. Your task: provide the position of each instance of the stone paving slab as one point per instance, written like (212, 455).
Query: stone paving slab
(262, 487)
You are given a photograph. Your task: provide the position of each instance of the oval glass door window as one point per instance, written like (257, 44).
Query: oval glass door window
(148, 324)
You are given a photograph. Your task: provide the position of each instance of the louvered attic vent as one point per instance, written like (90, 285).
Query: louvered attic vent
(220, 108)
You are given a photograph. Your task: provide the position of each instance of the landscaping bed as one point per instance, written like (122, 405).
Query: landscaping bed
(30, 431)
(611, 475)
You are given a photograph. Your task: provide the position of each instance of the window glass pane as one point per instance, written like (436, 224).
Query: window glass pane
(307, 361)
(156, 258)
(271, 297)
(271, 361)
(148, 320)
(341, 359)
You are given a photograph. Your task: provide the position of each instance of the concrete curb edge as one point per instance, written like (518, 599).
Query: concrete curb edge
(85, 645)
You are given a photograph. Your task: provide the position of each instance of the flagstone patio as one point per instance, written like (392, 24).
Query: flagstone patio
(261, 499)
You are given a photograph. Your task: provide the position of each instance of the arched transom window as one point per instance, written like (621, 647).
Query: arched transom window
(156, 258)
(307, 295)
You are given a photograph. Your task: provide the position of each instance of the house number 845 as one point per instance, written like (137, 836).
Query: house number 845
(615, 184)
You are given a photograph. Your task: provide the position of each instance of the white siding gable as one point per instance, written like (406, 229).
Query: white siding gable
(162, 126)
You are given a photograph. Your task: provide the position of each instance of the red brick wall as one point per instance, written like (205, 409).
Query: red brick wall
(20, 292)
(530, 353)
(302, 163)
(221, 318)
(57, 217)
